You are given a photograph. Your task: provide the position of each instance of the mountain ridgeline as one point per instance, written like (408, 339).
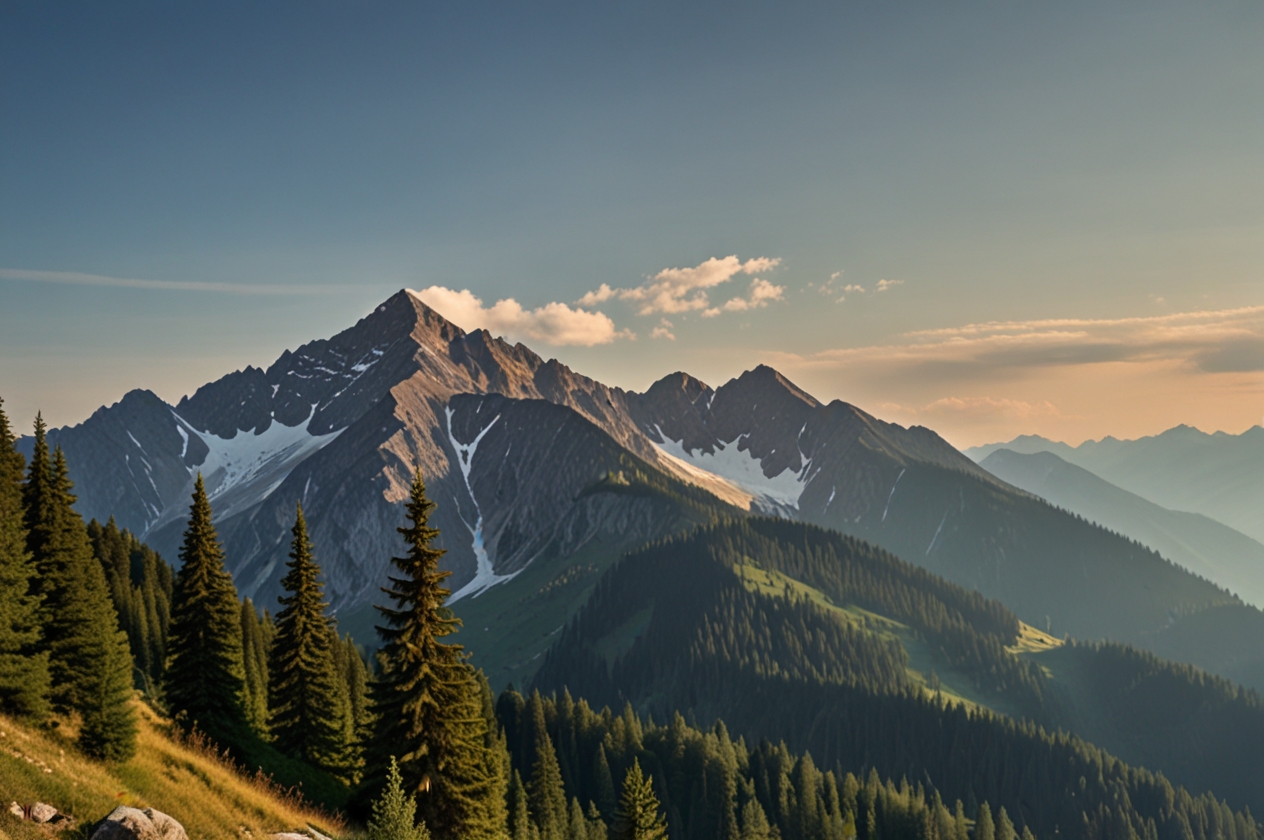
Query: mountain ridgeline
(520, 453)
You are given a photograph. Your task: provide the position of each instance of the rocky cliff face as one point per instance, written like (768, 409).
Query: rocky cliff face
(340, 425)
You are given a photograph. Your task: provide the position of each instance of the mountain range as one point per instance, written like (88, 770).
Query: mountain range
(1218, 475)
(544, 478)
(1197, 542)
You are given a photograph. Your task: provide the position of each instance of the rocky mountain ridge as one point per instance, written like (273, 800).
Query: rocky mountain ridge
(527, 461)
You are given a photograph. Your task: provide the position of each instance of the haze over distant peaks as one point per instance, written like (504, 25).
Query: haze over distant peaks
(1219, 475)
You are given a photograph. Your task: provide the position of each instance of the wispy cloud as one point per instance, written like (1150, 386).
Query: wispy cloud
(79, 279)
(978, 408)
(663, 330)
(835, 289)
(554, 323)
(1227, 340)
(675, 291)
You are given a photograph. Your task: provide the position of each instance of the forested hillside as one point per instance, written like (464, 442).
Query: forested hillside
(788, 631)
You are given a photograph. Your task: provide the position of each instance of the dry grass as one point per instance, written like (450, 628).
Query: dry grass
(185, 778)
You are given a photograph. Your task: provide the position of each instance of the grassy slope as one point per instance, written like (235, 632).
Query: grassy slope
(923, 661)
(209, 798)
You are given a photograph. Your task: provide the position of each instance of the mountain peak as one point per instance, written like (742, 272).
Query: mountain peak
(768, 380)
(690, 386)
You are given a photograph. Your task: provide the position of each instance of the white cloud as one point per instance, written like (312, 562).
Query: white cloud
(601, 295)
(883, 285)
(554, 323)
(761, 294)
(677, 290)
(831, 289)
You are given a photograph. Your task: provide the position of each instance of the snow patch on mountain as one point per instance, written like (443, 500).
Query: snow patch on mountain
(742, 469)
(259, 461)
(485, 576)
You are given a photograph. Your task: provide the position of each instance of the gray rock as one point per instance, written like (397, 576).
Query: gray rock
(42, 812)
(125, 823)
(288, 835)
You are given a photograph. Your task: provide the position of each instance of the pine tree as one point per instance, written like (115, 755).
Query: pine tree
(89, 662)
(255, 663)
(545, 790)
(1004, 827)
(577, 826)
(205, 673)
(353, 705)
(604, 781)
(426, 702)
(637, 817)
(395, 812)
(305, 715)
(755, 821)
(597, 829)
(984, 828)
(108, 727)
(519, 809)
(24, 679)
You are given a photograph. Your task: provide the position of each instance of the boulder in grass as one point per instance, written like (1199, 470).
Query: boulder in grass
(42, 812)
(288, 835)
(125, 823)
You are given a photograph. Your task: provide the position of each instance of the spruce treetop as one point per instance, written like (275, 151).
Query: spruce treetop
(427, 703)
(638, 817)
(205, 674)
(305, 715)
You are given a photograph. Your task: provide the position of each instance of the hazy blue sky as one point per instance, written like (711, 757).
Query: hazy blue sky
(1090, 176)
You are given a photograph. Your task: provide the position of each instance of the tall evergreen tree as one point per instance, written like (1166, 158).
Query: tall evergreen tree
(426, 701)
(37, 501)
(984, 828)
(1004, 826)
(519, 809)
(638, 817)
(545, 789)
(24, 680)
(356, 721)
(89, 662)
(305, 712)
(205, 673)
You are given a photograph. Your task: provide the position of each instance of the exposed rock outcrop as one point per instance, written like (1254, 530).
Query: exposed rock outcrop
(124, 823)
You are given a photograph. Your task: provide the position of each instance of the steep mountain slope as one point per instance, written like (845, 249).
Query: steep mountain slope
(340, 424)
(784, 630)
(910, 492)
(1218, 475)
(1202, 545)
